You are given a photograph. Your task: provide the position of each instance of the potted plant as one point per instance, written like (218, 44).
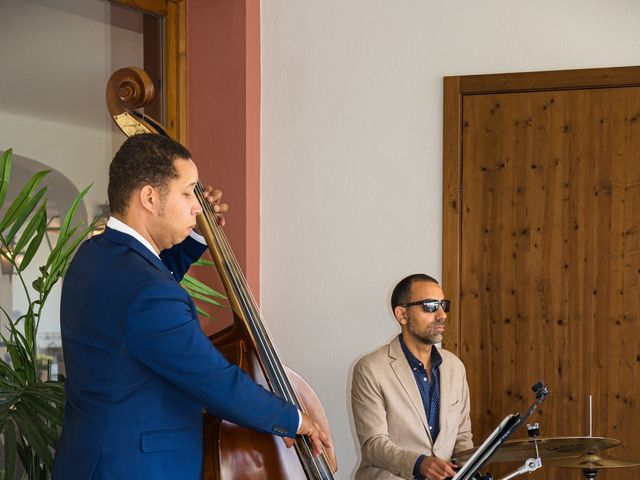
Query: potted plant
(31, 409)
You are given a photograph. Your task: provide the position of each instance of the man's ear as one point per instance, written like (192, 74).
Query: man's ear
(148, 197)
(400, 314)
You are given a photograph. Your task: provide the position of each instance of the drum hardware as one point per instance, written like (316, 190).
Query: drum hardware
(563, 452)
(530, 465)
(481, 455)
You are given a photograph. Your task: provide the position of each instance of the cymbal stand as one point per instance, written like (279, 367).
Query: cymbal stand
(530, 465)
(590, 472)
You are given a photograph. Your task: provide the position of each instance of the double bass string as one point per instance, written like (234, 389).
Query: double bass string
(277, 376)
(245, 297)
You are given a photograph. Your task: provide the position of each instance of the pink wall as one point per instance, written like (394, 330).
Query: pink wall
(224, 119)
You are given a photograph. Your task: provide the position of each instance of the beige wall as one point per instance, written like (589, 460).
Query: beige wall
(352, 154)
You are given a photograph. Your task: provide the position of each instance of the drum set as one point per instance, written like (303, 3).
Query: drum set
(565, 452)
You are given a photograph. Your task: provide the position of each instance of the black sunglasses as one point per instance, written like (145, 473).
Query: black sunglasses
(429, 305)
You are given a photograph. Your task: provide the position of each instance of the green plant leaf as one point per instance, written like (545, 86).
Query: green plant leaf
(70, 214)
(7, 372)
(24, 213)
(204, 298)
(23, 454)
(22, 200)
(53, 413)
(63, 257)
(200, 287)
(31, 228)
(5, 174)
(50, 391)
(9, 433)
(46, 428)
(41, 228)
(32, 434)
(18, 358)
(203, 262)
(54, 256)
(202, 312)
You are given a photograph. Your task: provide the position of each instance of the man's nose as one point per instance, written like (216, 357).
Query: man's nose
(197, 208)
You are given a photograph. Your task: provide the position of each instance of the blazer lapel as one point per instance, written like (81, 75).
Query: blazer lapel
(401, 368)
(127, 240)
(445, 394)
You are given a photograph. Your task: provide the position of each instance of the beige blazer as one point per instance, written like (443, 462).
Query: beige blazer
(389, 415)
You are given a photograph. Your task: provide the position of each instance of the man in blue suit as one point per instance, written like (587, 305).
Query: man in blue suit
(139, 368)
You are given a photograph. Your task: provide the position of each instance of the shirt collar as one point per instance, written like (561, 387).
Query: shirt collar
(120, 226)
(436, 358)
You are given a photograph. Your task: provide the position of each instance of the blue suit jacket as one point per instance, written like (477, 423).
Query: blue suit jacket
(140, 370)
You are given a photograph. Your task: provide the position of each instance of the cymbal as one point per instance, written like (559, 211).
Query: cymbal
(520, 450)
(590, 462)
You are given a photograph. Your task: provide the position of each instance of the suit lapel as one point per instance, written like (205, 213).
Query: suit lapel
(445, 394)
(401, 368)
(127, 240)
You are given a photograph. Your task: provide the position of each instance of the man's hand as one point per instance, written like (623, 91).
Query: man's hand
(434, 468)
(310, 429)
(214, 197)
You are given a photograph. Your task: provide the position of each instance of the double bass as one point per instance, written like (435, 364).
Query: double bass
(232, 452)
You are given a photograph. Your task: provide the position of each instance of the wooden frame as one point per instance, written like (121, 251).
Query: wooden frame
(455, 88)
(174, 12)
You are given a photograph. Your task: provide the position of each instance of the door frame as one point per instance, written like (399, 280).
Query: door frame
(455, 89)
(174, 13)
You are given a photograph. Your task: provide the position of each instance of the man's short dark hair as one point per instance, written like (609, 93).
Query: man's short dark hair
(144, 159)
(402, 291)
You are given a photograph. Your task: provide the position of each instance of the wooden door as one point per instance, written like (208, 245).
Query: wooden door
(542, 250)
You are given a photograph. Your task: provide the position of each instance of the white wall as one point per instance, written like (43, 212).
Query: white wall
(352, 154)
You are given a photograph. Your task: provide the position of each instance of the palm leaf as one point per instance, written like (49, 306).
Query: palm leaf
(9, 433)
(198, 286)
(24, 455)
(45, 426)
(43, 407)
(32, 435)
(22, 200)
(30, 229)
(204, 298)
(41, 228)
(7, 372)
(5, 174)
(25, 212)
(62, 238)
(59, 248)
(203, 262)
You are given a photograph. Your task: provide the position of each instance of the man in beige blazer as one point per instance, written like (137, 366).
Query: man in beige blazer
(408, 392)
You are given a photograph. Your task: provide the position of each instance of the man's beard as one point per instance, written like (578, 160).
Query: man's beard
(428, 336)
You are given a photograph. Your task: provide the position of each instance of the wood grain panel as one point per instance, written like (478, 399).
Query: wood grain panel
(451, 201)
(549, 259)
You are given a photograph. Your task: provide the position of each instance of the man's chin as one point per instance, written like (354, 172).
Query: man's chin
(431, 339)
